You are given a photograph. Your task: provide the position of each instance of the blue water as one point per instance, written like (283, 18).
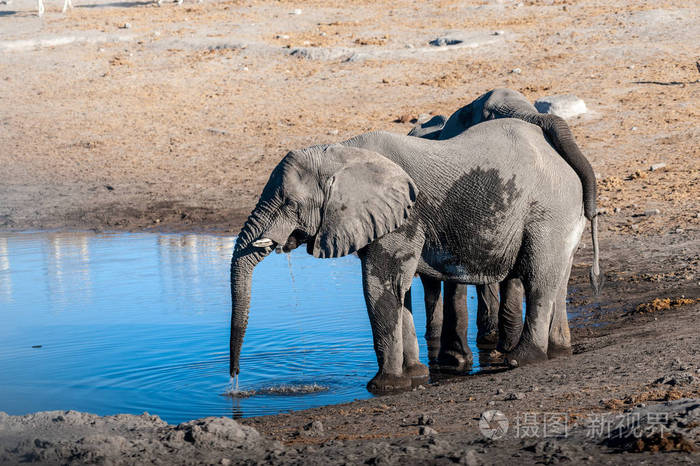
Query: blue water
(129, 323)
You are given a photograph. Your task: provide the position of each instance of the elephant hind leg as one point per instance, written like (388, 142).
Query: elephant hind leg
(510, 314)
(559, 334)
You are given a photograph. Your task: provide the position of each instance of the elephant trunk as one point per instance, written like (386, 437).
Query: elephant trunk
(245, 257)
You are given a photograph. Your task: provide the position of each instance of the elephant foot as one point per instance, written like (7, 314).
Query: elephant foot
(387, 383)
(453, 363)
(506, 345)
(557, 351)
(416, 370)
(525, 354)
(488, 340)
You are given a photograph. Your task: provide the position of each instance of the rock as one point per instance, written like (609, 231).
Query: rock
(425, 430)
(314, 428)
(282, 36)
(516, 71)
(423, 117)
(674, 380)
(470, 459)
(657, 166)
(616, 210)
(498, 33)
(499, 391)
(651, 212)
(515, 396)
(125, 26)
(445, 41)
(296, 11)
(565, 106)
(225, 461)
(333, 132)
(425, 420)
(421, 387)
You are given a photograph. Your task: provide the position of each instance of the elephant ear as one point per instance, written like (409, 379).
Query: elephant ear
(367, 197)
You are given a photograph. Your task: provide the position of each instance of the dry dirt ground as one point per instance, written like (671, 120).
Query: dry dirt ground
(129, 116)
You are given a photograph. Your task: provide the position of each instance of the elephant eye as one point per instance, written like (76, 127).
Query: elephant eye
(292, 204)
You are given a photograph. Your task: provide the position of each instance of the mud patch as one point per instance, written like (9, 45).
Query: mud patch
(277, 390)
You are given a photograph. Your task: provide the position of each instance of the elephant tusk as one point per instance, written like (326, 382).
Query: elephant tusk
(262, 243)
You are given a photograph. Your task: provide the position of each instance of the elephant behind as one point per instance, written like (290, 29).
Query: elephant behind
(447, 341)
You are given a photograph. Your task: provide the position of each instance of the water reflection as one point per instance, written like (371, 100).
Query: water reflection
(139, 322)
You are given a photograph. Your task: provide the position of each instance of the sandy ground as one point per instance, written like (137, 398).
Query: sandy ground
(129, 116)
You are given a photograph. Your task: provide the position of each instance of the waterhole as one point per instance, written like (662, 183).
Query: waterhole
(133, 323)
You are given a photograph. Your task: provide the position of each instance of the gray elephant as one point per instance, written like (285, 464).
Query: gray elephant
(456, 210)
(447, 320)
(498, 103)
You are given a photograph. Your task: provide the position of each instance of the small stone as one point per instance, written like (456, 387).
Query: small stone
(296, 11)
(516, 71)
(225, 461)
(425, 430)
(125, 26)
(515, 396)
(491, 403)
(425, 420)
(421, 387)
(282, 36)
(323, 34)
(422, 118)
(498, 33)
(470, 459)
(679, 230)
(565, 106)
(657, 166)
(630, 67)
(499, 391)
(634, 128)
(333, 132)
(616, 210)
(314, 427)
(409, 46)
(650, 212)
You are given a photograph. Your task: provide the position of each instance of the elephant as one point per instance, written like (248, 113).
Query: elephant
(456, 210)
(494, 104)
(446, 323)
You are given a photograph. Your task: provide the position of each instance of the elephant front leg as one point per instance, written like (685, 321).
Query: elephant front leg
(487, 315)
(397, 352)
(412, 367)
(455, 355)
(433, 316)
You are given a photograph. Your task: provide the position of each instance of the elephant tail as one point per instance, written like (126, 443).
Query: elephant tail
(559, 134)
(596, 277)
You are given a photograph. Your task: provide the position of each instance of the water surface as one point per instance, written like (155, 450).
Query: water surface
(128, 323)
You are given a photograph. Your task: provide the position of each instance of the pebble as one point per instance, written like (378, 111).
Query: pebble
(225, 461)
(425, 430)
(315, 427)
(516, 71)
(651, 212)
(282, 36)
(296, 11)
(333, 132)
(515, 396)
(470, 459)
(125, 26)
(499, 391)
(425, 420)
(657, 166)
(616, 210)
(421, 387)
(498, 33)
(565, 105)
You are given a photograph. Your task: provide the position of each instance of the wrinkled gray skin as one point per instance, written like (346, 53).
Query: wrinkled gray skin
(502, 103)
(457, 210)
(447, 323)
